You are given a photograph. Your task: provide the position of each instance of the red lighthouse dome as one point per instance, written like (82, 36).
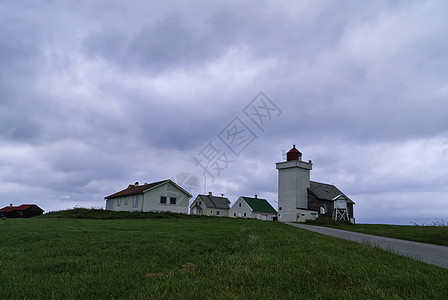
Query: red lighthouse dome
(293, 154)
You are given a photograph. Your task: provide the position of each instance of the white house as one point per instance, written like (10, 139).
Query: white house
(247, 207)
(158, 196)
(209, 205)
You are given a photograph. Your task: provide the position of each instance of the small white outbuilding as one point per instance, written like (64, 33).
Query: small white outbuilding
(247, 207)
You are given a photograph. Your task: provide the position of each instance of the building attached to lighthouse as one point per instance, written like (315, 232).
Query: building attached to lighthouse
(300, 199)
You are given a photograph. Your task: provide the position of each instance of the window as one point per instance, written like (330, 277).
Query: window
(280, 208)
(211, 212)
(239, 205)
(200, 202)
(162, 200)
(234, 214)
(125, 200)
(172, 200)
(118, 201)
(217, 212)
(135, 200)
(244, 214)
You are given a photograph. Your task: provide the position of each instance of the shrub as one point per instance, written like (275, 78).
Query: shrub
(85, 213)
(327, 222)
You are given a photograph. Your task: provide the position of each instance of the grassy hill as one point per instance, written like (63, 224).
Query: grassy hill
(172, 256)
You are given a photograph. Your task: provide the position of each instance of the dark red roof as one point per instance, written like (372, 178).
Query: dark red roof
(293, 154)
(20, 207)
(134, 190)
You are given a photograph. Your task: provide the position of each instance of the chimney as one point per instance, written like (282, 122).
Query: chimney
(256, 196)
(210, 193)
(136, 183)
(10, 204)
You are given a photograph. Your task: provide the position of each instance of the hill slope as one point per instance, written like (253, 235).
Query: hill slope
(194, 258)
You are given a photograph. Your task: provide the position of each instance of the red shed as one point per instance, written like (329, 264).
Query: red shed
(22, 211)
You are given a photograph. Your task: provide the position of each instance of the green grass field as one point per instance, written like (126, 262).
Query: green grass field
(174, 257)
(437, 235)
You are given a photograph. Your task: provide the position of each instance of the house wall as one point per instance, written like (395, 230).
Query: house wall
(120, 203)
(151, 200)
(238, 212)
(350, 209)
(197, 202)
(213, 212)
(259, 215)
(304, 214)
(207, 211)
(315, 204)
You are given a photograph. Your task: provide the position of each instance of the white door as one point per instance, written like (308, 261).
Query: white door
(264, 217)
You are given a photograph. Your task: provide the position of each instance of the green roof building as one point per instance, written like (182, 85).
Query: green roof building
(257, 208)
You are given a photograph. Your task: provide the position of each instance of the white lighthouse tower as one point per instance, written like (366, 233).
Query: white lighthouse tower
(293, 184)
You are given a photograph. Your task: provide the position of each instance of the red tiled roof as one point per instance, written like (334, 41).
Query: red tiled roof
(20, 207)
(134, 190)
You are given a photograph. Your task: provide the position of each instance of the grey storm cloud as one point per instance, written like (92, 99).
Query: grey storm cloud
(166, 44)
(96, 95)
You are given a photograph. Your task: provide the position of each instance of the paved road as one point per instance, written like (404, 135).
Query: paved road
(430, 254)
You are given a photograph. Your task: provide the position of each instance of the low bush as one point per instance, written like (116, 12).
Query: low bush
(92, 213)
(327, 222)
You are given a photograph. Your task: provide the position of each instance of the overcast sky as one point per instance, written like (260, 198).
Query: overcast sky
(95, 95)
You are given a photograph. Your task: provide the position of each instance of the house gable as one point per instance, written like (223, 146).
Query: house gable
(210, 205)
(240, 209)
